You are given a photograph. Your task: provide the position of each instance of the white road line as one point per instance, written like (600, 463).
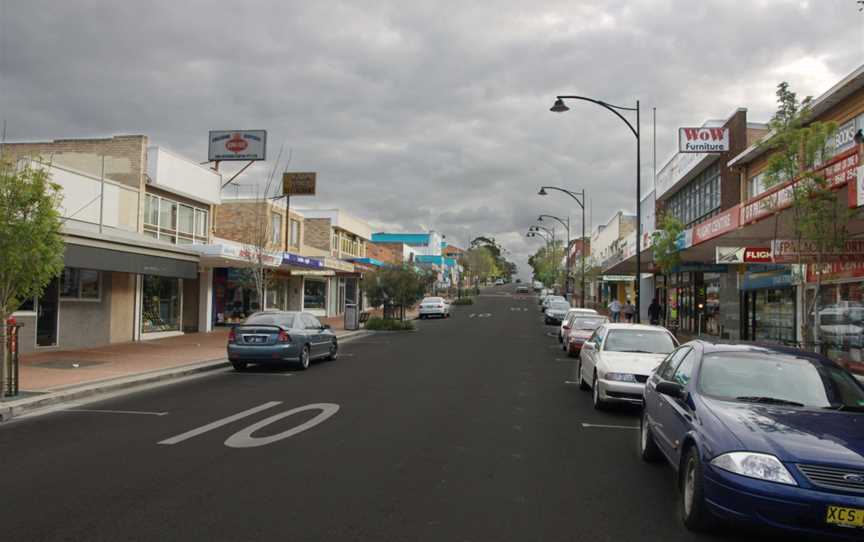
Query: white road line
(218, 423)
(567, 359)
(601, 426)
(115, 411)
(570, 382)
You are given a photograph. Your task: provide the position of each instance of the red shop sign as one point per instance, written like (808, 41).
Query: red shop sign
(717, 225)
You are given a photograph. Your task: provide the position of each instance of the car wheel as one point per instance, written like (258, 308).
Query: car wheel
(334, 351)
(647, 446)
(304, 358)
(694, 511)
(599, 404)
(582, 384)
(238, 365)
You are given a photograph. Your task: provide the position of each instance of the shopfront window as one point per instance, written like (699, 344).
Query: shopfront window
(276, 297)
(234, 295)
(162, 304)
(770, 315)
(79, 285)
(711, 311)
(295, 233)
(841, 323)
(173, 222)
(699, 199)
(314, 294)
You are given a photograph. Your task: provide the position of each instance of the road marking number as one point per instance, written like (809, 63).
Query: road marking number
(245, 439)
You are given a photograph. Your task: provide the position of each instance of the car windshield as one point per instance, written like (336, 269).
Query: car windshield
(782, 379)
(587, 323)
(559, 306)
(271, 319)
(638, 340)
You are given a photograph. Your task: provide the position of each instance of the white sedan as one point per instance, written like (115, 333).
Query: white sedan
(571, 312)
(617, 360)
(434, 306)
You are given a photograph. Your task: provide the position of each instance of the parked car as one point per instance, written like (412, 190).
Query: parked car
(522, 289)
(543, 294)
(769, 435)
(499, 282)
(571, 312)
(434, 306)
(537, 285)
(546, 301)
(279, 337)
(616, 361)
(556, 311)
(580, 328)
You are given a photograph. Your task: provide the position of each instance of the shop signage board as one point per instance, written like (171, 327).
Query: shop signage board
(703, 139)
(244, 145)
(298, 183)
(795, 251)
(684, 239)
(858, 200)
(836, 271)
(294, 259)
(767, 276)
(727, 255)
(717, 225)
(337, 265)
(696, 267)
(838, 171)
(618, 278)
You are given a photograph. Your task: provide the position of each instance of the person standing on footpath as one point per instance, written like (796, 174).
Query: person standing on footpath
(628, 310)
(654, 312)
(615, 310)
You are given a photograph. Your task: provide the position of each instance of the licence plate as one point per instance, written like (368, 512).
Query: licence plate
(255, 339)
(848, 517)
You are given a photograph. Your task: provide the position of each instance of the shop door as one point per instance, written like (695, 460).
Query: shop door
(47, 315)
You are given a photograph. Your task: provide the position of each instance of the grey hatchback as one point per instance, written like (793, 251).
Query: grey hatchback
(281, 336)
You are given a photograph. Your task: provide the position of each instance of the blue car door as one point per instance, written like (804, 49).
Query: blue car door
(655, 402)
(676, 414)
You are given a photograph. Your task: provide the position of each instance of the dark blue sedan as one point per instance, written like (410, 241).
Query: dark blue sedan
(770, 436)
(281, 336)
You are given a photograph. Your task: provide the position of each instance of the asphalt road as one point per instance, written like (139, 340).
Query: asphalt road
(462, 431)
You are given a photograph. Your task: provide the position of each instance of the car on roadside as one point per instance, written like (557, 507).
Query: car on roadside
(546, 301)
(542, 295)
(616, 361)
(499, 282)
(556, 311)
(279, 337)
(580, 328)
(522, 289)
(434, 306)
(571, 312)
(766, 435)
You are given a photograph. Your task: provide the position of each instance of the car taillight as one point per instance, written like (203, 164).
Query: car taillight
(232, 337)
(283, 337)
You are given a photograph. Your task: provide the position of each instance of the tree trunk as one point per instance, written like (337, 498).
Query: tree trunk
(4, 372)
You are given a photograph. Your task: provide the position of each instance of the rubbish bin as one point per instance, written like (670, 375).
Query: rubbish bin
(9, 383)
(352, 317)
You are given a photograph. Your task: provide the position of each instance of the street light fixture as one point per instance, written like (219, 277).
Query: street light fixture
(561, 107)
(580, 199)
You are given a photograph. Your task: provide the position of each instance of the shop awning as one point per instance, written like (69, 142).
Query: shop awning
(125, 261)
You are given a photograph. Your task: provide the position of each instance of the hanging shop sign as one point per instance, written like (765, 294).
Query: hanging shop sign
(336, 265)
(856, 196)
(794, 251)
(726, 255)
(684, 239)
(703, 139)
(302, 261)
(298, 183)
(717, 225)
(227, 145)
(837, 172)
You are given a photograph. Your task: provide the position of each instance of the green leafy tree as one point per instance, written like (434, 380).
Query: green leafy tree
(664, 244)
(819, 219)
(546, 264)
(31, 247)
(398, 285)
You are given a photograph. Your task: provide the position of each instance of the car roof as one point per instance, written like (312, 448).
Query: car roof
(710, 347)
(586, 311)
(636, 327)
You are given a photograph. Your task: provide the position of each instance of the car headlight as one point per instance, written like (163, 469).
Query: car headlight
(621, 377)
(755, 465)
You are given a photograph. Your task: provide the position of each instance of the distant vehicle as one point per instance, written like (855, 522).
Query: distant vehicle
(571, 312)
(616, 361)
(542, 295)
(280, 337)
(499, 282)
(434, 306)
(537, 285)
(765, 435)
(580, 328)
(556, 311)
(518, 281)
(544, 303)
(522, 289)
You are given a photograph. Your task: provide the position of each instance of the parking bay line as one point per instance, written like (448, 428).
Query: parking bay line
(603, 426)
(98, 411)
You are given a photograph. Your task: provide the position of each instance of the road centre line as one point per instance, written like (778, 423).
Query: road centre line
(602, 426)
(88, 410)
(218, 423)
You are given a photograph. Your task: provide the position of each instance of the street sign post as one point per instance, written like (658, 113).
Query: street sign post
(237, 145)
(299, 183)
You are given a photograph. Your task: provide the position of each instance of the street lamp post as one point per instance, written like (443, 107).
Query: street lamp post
(566, 259)
(561, 107)
(580, 199)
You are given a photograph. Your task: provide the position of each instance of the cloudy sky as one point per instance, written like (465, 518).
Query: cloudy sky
(419, 115)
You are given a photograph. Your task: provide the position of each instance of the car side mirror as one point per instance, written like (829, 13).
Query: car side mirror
(672, 389)
(590, 345)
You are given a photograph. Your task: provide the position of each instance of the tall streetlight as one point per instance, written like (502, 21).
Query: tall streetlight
(566, 259)
(561, 107)
(580, 199)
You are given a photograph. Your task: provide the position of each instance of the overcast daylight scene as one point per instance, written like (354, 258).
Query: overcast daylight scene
(585, 270)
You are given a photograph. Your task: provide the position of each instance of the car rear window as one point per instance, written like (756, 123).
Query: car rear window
(286, 320)
(559, 305)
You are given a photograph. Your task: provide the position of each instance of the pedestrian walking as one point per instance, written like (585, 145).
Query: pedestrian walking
(654, 312)
(629, 311)
(615, 310)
